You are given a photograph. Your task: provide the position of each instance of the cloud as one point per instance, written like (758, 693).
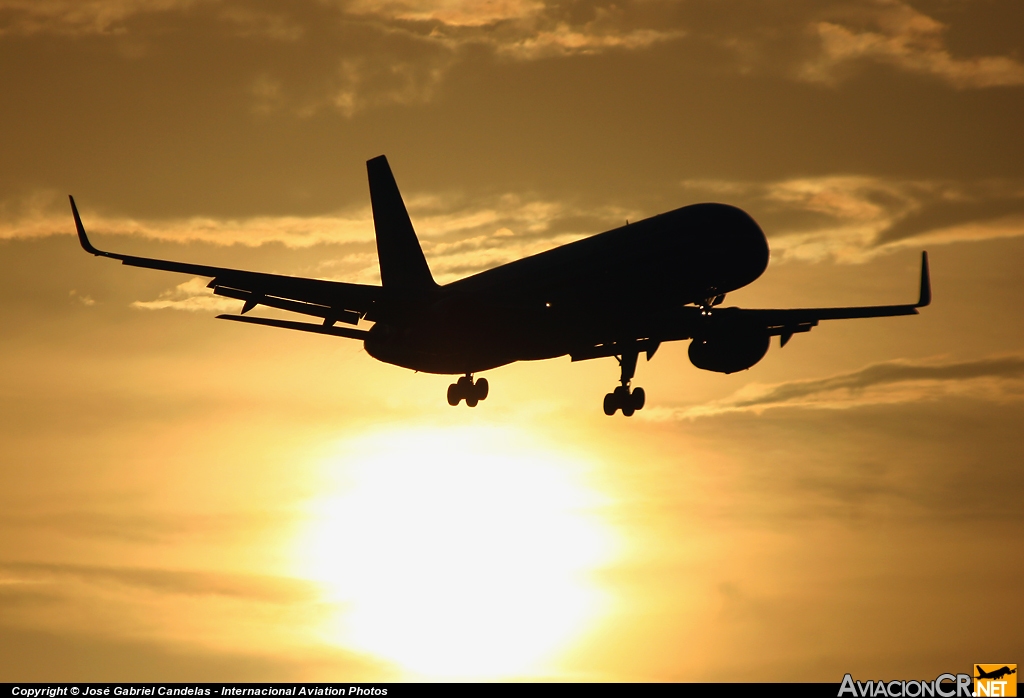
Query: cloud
(528, 29)
(145, 528)
(456, 13)
(84, 300)
(361, 82)
(44, 216)
(372, 53)
(192, 295)
(909, 40)
(845, 218)
(564, 39)
(364, 53)
(250, 22)
(199, 615)
(254, 587)
(852, 218)
(998, 379)
(78, 16)
(111, 17)
(459, 236)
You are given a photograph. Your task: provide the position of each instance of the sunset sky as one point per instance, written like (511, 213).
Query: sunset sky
(193, 500)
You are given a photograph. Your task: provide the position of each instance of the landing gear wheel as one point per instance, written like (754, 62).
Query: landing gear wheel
(465, 389)
(454, 394)
(610, 404)
(628, 410)
(638, 398)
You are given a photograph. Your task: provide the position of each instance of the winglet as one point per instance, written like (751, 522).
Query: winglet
(82, 237)
(926, 285)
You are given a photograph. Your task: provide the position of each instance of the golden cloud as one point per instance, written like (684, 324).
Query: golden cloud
(41, 220)
(192, 295)
(457, 13)
(852, 218)
(996, 379)
(257, 587)
(458, 237)
(910, 41)
(79, 16)
(521, 29)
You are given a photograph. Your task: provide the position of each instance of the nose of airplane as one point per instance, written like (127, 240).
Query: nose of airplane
(732, 238)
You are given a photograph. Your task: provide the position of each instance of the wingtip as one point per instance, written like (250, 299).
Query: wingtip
(925, 296)
(82, 237)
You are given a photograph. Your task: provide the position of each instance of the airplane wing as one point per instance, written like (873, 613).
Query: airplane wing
(689, 322)
(787, 322)
(334, 301)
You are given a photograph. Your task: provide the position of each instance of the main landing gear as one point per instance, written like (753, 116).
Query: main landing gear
(466, 389)
(622, 398)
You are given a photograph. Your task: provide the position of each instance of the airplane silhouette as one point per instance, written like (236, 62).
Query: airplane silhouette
(994, 674)
(620, 293)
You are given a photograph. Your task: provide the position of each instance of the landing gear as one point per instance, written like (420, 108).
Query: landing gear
(622, 398)
(466, 389)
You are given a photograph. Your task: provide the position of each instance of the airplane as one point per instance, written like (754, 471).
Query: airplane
(620, 293)
(995, 674)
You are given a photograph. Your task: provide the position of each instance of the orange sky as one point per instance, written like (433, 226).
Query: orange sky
(185, 499)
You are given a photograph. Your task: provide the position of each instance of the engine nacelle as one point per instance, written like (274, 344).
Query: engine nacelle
(729, 353)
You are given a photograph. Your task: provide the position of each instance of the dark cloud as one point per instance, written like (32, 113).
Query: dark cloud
(222, 109)
(945, 213)
(887, 373)
(855, 217)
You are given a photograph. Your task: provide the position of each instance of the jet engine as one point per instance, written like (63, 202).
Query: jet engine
(729, 352)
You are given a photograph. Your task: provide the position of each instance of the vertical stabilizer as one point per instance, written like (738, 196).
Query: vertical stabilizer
(403, 268)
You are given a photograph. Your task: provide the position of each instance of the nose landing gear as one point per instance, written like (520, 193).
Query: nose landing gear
(622, 398)
(466, 389)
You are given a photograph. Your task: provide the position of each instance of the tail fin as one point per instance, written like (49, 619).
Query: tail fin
(403, 268)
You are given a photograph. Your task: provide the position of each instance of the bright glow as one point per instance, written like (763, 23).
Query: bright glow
(458, 553)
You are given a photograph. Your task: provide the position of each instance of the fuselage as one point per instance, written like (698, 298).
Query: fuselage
(621, 283)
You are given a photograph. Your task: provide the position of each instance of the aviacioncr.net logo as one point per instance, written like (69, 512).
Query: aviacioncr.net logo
(995, 680)
(943, 686)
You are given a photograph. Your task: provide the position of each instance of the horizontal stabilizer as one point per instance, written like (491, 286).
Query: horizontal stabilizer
(349, 332)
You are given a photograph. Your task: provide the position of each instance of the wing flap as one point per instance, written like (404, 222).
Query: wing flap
(349, 332)
(252, 299)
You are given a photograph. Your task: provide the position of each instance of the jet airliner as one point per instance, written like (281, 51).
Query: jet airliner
(621, 293)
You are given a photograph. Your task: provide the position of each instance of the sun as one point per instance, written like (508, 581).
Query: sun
(458, 553)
